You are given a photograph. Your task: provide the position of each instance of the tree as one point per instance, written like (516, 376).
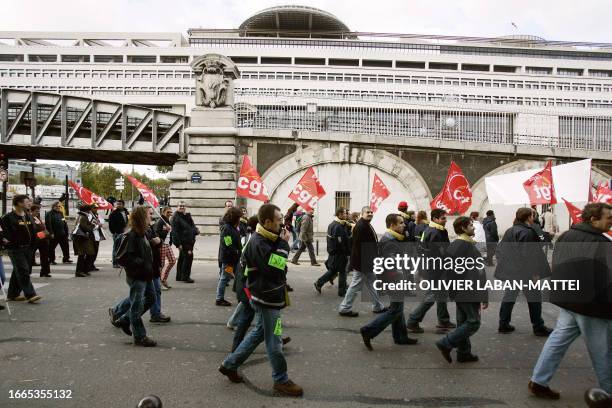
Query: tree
(163, 169)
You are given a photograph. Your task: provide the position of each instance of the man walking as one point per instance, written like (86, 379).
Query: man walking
(184, 234)
(388, 247)
(491, 235)
(306, 239)
(520, 257)
(363, 252)
(58, 233)
(266, 262)
(434, 241)
(117, 223)
(582, 253)
(409, 221)
(18, 238)
(338, 249)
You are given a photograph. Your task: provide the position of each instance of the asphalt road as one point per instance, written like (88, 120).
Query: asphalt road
(67, 343)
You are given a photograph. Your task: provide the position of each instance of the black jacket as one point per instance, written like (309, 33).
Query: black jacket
(433, 244)
(156, 254)
(490, 227)
(582, 253)
(56, 224)
(230, 246)
(474, 273)
(520, 255)
(140, 257)
(338, 240)
(160, 231)
(419, 229)
(117, 222)
(184, 230)
(266, 261)
(364, 248)
(19, 231)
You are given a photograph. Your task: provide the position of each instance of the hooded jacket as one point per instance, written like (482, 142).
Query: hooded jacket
(520, 255)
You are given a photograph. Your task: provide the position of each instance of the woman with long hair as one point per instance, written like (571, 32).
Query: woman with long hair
(421, 224)
(83, 240)
(168, 260)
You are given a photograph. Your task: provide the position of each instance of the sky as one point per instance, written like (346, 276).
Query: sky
(564, 20)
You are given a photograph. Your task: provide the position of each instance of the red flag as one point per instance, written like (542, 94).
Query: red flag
(249, 183)
(379, 193)
(88, 197)
(574, 212)
(147, 194)
(540, 187)
(308, 190)
(456, 195)
(603, 194)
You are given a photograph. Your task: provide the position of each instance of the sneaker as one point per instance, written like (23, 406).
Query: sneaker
(113, 317)
(350, 313)
(446, 351)
(289, 389)
(222, 302)
(144, 342)
(34, 299)
(165, 285)
(542, 331)
(286, 340)
(160, 319)
(414, 327)
(446, 325)
(317, 288)
(19, 298)
(543, 392)
(468, 358)
(505, 328)
(367, 340)
(232, 375)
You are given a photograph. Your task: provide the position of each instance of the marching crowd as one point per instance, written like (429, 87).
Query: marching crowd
(254, 253)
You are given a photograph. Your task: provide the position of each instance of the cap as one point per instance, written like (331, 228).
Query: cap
(402, 204)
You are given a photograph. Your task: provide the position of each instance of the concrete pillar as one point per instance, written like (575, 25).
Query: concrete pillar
(211, 152)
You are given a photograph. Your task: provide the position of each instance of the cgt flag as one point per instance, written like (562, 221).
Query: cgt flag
(574, 212)
(456, 195)
(379, 193)
(88, 197)
(249, 183)
(146, 193)
(308, 191)
(603, 194)
(540, 187)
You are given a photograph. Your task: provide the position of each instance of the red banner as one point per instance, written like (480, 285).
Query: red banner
(249, 183)
(146, 192)
(574, 212)
(603, 194)
(540, 187)
(88, 197)
(379, 193)
(308, 191)
(456, 195)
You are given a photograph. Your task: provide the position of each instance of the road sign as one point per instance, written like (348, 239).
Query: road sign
(196, 178)
(119, 184)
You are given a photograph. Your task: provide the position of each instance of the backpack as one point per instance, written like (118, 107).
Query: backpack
(121, 256)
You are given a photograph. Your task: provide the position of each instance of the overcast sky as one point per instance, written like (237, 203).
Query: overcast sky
(569, 20)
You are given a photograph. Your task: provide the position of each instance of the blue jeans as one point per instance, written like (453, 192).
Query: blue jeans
(224, 279)
(266, 328)
(354, 288)
(142, 296)
(597, 335)
(394, 316)
(245, 319)
(2, 274)
(418, 314)
(123, 306)
(468, 323)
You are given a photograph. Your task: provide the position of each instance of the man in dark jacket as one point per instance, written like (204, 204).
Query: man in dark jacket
(117, 222)
(58, 230)
(364, 250)
(434, 241)
(18, 239)
(491, 235)
(306, 239)
(230, 247)
(583, 254)
(409, 221)
(469, 267)
(520, 257)
(338, 249)
(266, 260)
(184, 233)
(388, 247)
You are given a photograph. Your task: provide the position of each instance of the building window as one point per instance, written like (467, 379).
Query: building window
(377, 63)
(343, 199)
(538, 70)
(276, 60)
(442, 65)
(410, 64)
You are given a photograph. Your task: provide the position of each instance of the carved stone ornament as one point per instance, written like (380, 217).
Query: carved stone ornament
(215, 76)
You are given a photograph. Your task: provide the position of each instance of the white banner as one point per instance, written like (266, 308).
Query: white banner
(572, 182)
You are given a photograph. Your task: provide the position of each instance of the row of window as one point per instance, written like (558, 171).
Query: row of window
(96, 73)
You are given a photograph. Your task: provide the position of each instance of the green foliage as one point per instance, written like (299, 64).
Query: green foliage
(163, 169)
(41, 180)
(101, 180)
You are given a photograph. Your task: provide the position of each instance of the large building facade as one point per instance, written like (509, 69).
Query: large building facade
(303, 69)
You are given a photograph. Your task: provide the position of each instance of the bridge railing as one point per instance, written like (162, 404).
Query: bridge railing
(439, 122)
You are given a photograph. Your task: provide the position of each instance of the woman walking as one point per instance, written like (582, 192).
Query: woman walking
(41, 242)
(83, 240)
(168, 260)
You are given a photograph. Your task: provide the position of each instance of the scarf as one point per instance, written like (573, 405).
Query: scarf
(436, 226)
(265, 233)
(403, 214)
(397, 236)
(466, 238)
(339, 221)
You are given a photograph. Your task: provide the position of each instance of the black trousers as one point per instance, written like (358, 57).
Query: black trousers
(82, 264)
(183, 268)
(491, 247)
(92, 259)
(534, 304)
(21, 259)
(62, 241)
(42, 246)
(336, 265)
